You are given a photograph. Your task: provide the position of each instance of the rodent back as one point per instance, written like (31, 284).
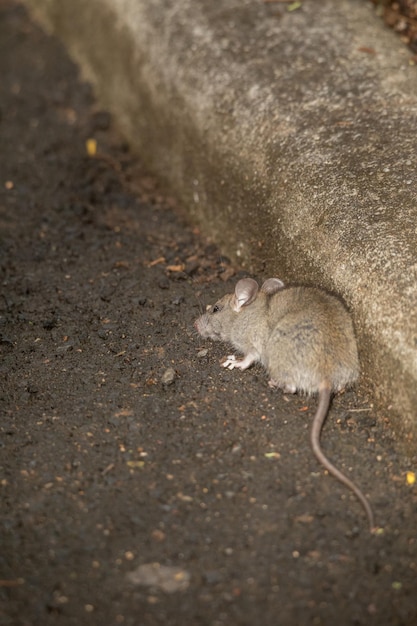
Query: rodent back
(311, 340)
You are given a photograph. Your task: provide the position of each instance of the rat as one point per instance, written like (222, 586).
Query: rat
(304, 338)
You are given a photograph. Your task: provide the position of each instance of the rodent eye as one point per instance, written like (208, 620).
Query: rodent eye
(216, 308)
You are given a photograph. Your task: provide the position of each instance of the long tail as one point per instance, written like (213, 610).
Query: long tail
(318, 421)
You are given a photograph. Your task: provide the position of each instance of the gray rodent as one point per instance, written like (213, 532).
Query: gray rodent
(304, 338)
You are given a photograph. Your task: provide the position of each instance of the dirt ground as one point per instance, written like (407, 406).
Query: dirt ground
(400, 15)
(142, 484)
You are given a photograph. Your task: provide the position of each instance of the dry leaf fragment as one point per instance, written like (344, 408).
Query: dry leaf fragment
(91, 147)
(304, 519)
(272, 455)
(11, 583)
(157, 261)
(124, 413)
(136, 464)
(367, 50)
(227, 274)
(294, 6)
(184, 498)
(176, 268)
(411, 478)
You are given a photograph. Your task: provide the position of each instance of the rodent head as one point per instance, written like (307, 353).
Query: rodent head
(218, 320)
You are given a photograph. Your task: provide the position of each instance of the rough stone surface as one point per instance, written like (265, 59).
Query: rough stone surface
(290, 137)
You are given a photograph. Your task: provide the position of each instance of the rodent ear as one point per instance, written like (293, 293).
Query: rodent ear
(246, 291)
(272, 285)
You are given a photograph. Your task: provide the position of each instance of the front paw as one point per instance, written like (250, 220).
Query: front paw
(230, 362)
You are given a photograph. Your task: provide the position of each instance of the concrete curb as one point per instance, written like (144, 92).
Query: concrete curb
(290, 136)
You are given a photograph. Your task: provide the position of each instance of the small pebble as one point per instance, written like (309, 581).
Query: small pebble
(168, 376)
(192, 267)
(163, 283)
